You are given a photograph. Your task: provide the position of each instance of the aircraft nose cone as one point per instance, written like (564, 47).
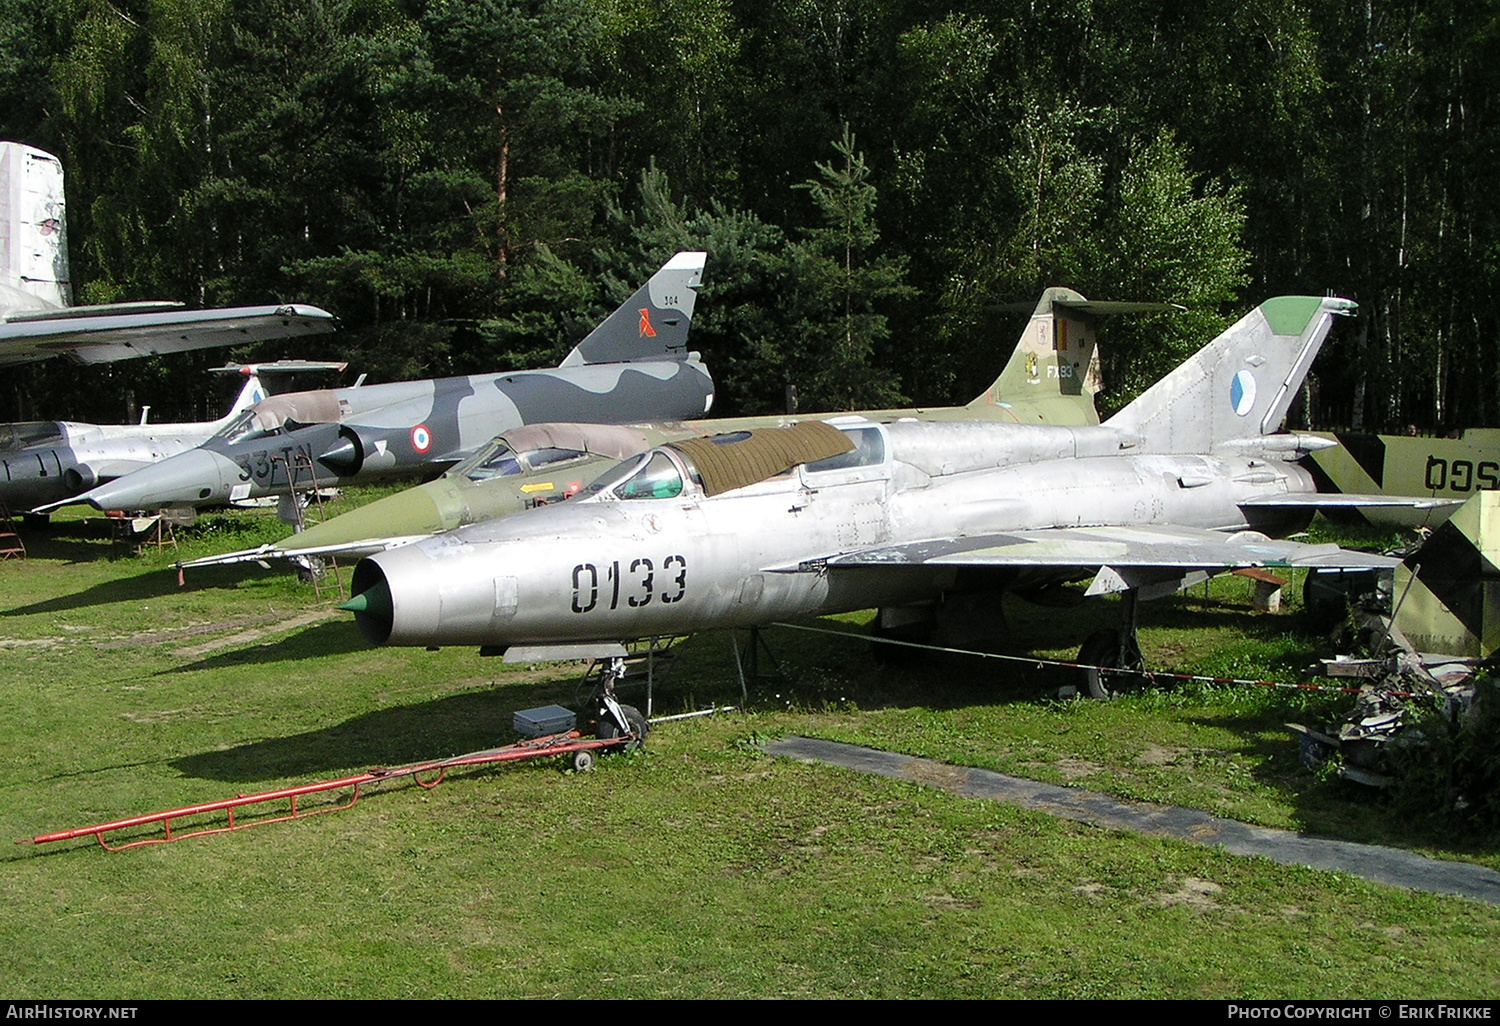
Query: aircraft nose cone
(374, 612)
(412, 512)
(193, 478)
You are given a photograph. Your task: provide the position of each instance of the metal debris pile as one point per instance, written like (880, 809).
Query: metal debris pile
(1400, 685)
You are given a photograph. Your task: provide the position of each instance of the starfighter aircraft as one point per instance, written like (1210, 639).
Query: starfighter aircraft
(741, 529)
(1051, 378)
(37, 320)
(44, 461)
(634, 366)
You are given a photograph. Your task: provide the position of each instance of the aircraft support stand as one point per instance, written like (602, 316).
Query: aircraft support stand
(750, 659)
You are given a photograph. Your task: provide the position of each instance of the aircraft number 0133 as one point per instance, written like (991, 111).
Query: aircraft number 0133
(637, 582)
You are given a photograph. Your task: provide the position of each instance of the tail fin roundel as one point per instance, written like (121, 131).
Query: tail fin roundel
(1239, 386)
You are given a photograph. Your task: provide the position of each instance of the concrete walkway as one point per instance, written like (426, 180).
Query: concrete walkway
(1372, 862)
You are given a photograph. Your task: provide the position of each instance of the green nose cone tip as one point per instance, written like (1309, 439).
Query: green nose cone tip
(375, 600)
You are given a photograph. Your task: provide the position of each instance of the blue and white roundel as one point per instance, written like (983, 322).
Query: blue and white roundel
(421, 438)
(1242, 392)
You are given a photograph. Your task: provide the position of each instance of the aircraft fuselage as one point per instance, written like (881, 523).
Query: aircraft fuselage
(45, 461)
(404, 428)
(608, 568)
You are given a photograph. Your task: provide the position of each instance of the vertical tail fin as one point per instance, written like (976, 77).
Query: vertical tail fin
(1053, 374)
(1237, 387)
(653, 323)
(33, 226)
(1055, 357)
(252, 392)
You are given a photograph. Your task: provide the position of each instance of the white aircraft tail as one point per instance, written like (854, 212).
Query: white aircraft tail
(653, 323)
(33, 229)
(1238, 387)
(252, 392)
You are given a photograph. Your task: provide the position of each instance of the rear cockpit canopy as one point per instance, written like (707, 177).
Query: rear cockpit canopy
(742, 458)
(26, 434)
(723, 462)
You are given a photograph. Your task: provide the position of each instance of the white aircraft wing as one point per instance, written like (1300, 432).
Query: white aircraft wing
(262, 553)
(103, 334)
(1155, 559)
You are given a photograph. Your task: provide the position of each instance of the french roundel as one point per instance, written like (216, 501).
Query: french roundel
(1242, 392)
(421, 438)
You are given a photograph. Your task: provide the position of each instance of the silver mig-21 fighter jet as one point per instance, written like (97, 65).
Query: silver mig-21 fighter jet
(740, 529)
(633, 366)
(1050, 378)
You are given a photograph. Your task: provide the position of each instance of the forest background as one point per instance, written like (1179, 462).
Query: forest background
(470, 184)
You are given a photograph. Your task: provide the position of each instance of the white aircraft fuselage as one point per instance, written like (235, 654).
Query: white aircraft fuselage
(611, 567)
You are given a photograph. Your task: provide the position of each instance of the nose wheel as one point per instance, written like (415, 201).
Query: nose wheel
(618, 721)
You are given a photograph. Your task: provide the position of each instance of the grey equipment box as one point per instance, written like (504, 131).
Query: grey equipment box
(546, 719)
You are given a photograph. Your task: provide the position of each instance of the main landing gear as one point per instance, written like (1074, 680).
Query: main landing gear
(1113, 649)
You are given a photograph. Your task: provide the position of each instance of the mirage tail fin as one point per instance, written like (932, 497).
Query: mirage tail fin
(650, 325)
(1053, 374)
(1237, 388)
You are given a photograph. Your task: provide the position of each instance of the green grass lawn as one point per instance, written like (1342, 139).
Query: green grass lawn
(699, 867)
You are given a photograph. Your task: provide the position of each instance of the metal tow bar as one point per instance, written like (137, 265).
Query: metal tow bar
(533, 748)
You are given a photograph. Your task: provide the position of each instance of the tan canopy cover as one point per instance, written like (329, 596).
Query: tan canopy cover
(320, 407)
(764, 454)
(600, 439)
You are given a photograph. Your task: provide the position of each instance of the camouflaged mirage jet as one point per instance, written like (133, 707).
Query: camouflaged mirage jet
(633, 366)
(45, 461)
(1190, 479)
(1051, 378)
(37, 320)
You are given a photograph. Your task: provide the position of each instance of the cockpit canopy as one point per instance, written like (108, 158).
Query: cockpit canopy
(276, 413)
(745, 457)
(539, 446)
(720, 463)
(26, 434)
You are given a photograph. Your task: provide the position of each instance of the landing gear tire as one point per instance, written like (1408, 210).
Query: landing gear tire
(583, 762)
(609, 730)
(1111, 649)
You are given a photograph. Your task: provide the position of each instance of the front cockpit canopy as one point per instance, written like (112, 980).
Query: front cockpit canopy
(537, 447)
(286, 412)
(659, 478)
